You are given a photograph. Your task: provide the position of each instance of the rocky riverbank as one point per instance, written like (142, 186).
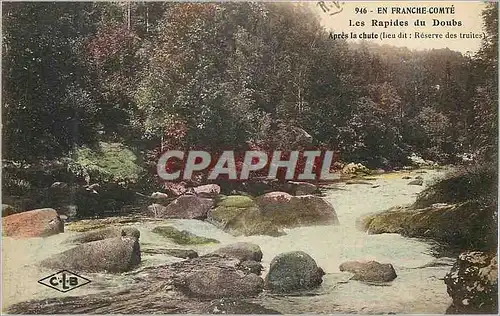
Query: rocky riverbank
(333, 260)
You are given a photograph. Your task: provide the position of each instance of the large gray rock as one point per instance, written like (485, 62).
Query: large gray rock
(251, 266)
(113, 255)
(242, 251)
(110, 232)
(292, 211)
(240, 215)
(293, 271)
(223, 283)
(270, 213)
(371, 271)
(472, 283)
(186, 207)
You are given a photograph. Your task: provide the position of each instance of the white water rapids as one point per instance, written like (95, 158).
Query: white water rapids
(417, 289)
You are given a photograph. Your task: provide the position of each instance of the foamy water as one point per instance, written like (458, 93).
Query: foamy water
(415, 290)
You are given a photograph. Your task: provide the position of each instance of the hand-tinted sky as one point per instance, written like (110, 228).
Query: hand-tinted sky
(468, 12)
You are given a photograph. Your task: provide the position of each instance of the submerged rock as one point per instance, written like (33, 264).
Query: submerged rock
(293, 271)
(182, 237)
(472, 283)
(416, 182)
(37, 223)
(358, 182)
(110, 232)
(371, 271)
(242, 251)
(113, 255)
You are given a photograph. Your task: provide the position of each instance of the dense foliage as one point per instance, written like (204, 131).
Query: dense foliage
(234, 75)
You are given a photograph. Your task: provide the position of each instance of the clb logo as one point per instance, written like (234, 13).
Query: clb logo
(64, 281)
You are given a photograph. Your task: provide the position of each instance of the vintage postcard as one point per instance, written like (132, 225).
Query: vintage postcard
(315, 157)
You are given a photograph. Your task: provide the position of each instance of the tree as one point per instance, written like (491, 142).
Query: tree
(47, 108)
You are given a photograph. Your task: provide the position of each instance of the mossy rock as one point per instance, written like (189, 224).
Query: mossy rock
(236, 201)
(467, 224)
(182, 237)
(86, 225)
(240, 215)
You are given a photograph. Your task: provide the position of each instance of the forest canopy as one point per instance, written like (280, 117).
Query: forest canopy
(154, 75)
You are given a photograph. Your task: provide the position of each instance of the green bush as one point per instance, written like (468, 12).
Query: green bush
(111, 162)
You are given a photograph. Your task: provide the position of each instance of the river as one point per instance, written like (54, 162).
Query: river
(419, 287)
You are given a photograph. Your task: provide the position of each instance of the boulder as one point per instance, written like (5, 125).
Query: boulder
(36, 223)
(243, 251)
(467, 225)
(186, 207)
(270, 213)
(301, 188)
(113, 255)
(182, 237)
(472, 283)
(371, 271)
(218, 282)
(251, 266)
(406, 177)
(293, 271)
(292, 211)
(110, 232)
(240, 215)
(207, 191)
